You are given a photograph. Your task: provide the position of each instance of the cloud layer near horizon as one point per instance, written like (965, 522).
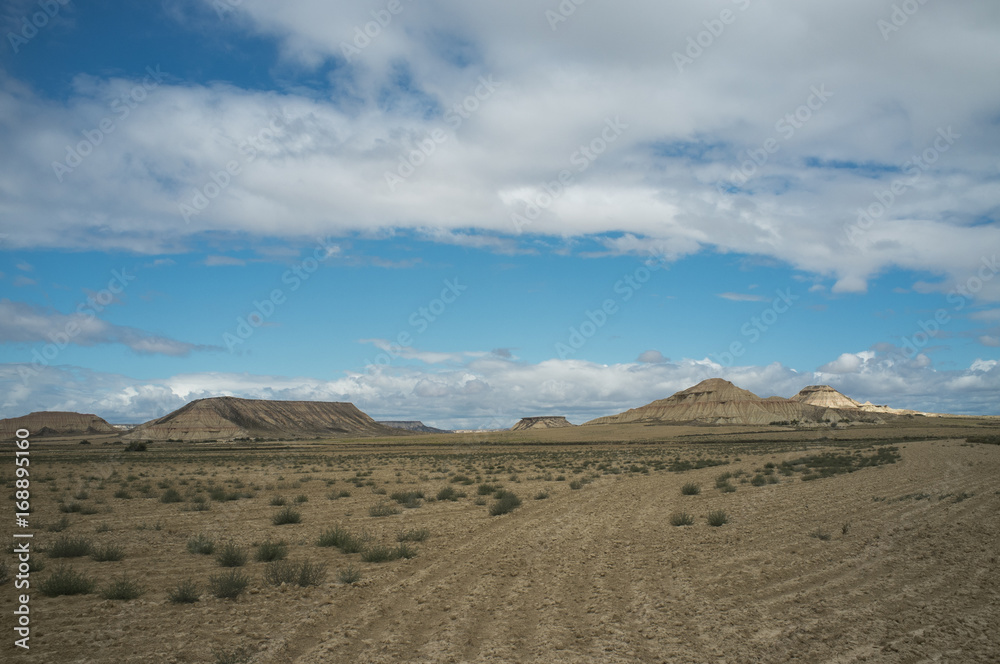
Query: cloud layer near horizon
(492, 391)
(311, 161)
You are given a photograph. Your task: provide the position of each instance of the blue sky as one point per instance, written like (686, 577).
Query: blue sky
(466, 217)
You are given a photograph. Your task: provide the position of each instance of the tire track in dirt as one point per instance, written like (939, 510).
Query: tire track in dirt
(600, 575)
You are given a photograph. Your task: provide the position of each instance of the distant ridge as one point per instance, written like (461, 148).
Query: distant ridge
(545, 422)
(717, 401)
(226, 418)
(56, 423)
(412, 425)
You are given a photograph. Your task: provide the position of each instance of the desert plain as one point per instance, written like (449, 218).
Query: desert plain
(857, 544)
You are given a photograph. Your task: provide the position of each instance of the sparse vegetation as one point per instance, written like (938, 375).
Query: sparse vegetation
(202, 544)
(231, 555)
(506, 502)
(681, 519)
(66, 581)
(414, 535)
(349, 574)
(286, 516)
(228, 585)
(383, 508)
(717, 518)
(305, 573)
(270, 551)
(123, 589)
(691, 489)
(107, 553)
(70, 547)
(185, 593)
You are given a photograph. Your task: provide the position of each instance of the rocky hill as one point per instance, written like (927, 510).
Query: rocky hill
(717, 401)
(546, 422)
(415, 426)
(825, 397)
(56, 423)
(226, 418)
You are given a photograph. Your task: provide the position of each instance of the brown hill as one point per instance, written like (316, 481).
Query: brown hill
(546, 422)
(717, 401)
(56, 423)
(226, 418)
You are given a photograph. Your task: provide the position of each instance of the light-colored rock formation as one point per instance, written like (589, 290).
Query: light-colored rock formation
(546, 422)
(717, 401)
(826, 397)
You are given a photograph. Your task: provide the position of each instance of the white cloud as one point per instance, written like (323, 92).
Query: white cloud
(24, 323)
(742, 297)
(489, 388)
(652, 357)
(657, 184)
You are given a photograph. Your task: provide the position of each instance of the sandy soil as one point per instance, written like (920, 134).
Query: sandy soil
(591, 575)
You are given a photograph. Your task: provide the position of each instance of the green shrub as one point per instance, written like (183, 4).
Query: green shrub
(278, 501)
(70, 547)
(758, 480)
(108, 553)
(201, 544)
(286, 516)
(228, 585)
(383, 509)
(691, 489)
(185, 593)
(487, 489)
(381, 553)
(301, 498)
(505, 504)
(408, 499)
(415, 535)
(575, 484)
(241, 655)
(171, 495)
(727, 487)
(349, 574)
(302, 574)
(681, 519)
(270, 551)
(66, 581)
(231, 555)
(717, 518)
(450, 493)
(340, 537)
(123, 493)
(541, 495)
(122, 589)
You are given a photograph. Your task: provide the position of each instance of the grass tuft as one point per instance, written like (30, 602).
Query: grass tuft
(287, 516)
(231, 555)
(691, 489)
(108, 553)
(270, 551)
(66, 581)
(228, 585)
(201, 544)
(717, 518)
(123, 589)
(70, 547)
(507, 502)
(681, 519)
(185, 593)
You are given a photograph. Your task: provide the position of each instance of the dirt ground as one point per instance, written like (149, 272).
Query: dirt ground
(895, 563)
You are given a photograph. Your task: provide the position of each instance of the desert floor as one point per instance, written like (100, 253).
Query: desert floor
(892, 563)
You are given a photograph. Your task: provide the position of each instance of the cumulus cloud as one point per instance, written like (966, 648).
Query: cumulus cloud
(671, 181)
(652, 357)
(21, 322)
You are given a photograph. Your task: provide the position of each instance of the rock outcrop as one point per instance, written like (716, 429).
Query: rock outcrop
(826, 397)
(717, 401)
(546, 422)
(56, 423)
(226, 418)
(415, 426)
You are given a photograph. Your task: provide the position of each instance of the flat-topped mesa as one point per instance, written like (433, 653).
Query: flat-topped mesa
(543, 422)
(226, 418)
(717, 401)
(56, 423)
